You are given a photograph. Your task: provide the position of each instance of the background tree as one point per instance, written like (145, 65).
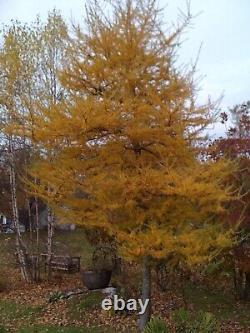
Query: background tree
(236, 146)
(29, 60)
(52, 52)
(16, 68)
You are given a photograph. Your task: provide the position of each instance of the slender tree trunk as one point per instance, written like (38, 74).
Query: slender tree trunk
(20, 247)
(32, 252)
(50, 221)
(146, 293)
(37, 226)
(247, 290)
(30, 221)
(37, 241)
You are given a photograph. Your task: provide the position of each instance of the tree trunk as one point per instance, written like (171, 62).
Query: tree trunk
(33, 266)
(30, 221)
(21, 251)
(146, 293)
(37, 224)
(50, 221)
(247, 291)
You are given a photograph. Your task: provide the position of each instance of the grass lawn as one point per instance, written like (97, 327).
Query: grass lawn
(79, 306)
(74, 315)
(223, 305)
(16, 316)
(11, 311)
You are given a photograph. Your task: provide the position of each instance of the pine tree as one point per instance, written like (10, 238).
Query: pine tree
(125, 142)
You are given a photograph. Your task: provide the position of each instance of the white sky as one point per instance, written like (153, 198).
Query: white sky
(223, 27)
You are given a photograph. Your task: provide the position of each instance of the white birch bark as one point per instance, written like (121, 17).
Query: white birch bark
(21, 251)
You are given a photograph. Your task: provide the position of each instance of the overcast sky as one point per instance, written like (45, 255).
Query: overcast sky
(223, 28)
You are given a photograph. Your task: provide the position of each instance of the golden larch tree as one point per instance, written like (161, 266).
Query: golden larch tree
(125, 141)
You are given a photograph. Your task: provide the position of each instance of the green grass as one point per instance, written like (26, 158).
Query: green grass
(80, 305)
(2, 329)
(223, 305)
(77, 244)
(12, 311)
(67, 242)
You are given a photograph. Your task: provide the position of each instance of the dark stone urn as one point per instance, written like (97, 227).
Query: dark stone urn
(96, 279)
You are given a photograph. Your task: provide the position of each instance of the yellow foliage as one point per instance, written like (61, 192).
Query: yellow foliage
(120, 152)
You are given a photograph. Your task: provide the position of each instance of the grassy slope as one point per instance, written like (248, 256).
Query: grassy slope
(222, 305)
(73, 243)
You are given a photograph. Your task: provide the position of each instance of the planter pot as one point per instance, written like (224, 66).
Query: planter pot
(96, 280)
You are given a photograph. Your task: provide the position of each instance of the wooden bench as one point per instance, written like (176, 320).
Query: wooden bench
(62, 263)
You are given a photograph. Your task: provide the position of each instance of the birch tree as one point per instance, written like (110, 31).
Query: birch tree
(15, 68)
(30, 58)
(53, 41)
